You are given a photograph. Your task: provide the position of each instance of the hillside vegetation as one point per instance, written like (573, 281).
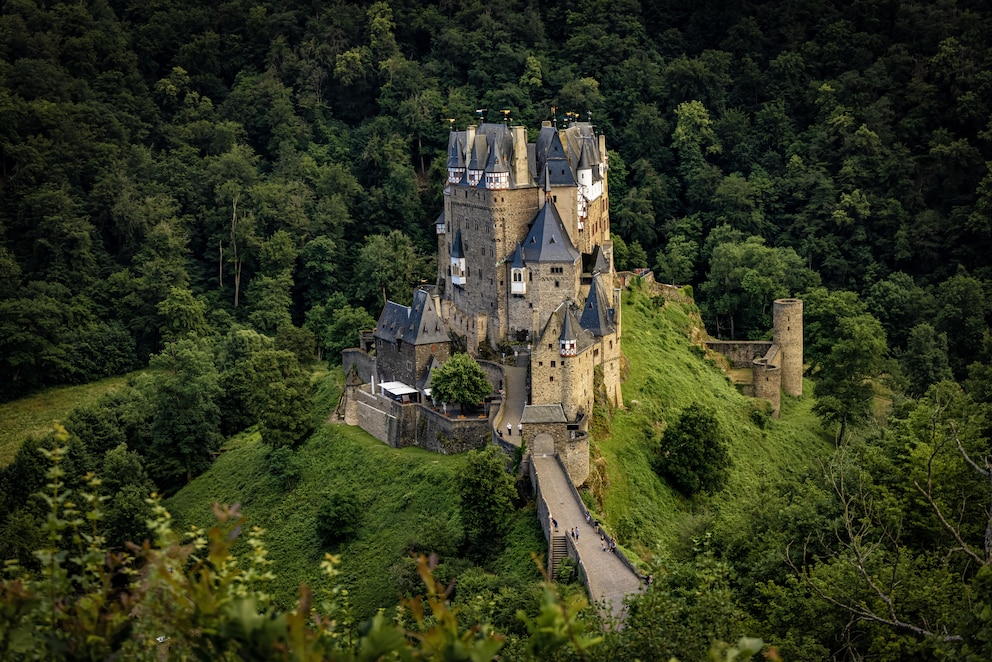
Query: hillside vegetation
(668, 372)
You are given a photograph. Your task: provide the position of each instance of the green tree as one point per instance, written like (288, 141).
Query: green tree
(925, 360)
(461, 380)
(336, 325)
(744, 280)
(280, 397)
(389, 267)
(693, 455)
(487, 493)
(185, 430)
(677, 262)
(847, 352)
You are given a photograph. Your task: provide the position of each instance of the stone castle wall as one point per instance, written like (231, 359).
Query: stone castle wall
(740, 353)
(363, 362)
(401, 425)
(766, 378)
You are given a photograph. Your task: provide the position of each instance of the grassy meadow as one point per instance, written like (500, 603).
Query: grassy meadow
(35, 415)
(668, 373)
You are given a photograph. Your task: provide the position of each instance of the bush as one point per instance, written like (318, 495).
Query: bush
(338, 518)
(693, 456)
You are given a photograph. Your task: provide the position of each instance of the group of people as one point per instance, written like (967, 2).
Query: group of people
(574, 532)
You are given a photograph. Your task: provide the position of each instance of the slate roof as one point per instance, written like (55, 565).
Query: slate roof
(568, 327)
(584, 339)
(597, 314)
(551, 163)
(552, 413)
(418, 324)
(547, 240)
(457, 251)
(456, 149)
(518, 259)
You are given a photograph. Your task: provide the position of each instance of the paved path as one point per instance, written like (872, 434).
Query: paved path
(608, 577)
(515, 385)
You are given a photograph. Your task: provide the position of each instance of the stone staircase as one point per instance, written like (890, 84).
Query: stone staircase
(559, 550)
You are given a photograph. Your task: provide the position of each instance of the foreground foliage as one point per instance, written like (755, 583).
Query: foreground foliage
(179, 596)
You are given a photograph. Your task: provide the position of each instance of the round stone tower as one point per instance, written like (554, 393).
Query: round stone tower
(788, 323)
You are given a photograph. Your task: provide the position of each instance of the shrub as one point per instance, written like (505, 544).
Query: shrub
(693, 456)
(338, 518)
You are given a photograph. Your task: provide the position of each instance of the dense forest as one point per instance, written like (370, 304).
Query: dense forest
(225, 192)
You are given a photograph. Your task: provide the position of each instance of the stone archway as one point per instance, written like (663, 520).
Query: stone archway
(544, 444)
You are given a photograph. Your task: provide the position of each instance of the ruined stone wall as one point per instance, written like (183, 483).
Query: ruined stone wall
(787, 315)
(767, 378)
(740, 353)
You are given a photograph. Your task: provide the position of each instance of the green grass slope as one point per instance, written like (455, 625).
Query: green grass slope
(668, 373)
(404, 493)
(35, 415)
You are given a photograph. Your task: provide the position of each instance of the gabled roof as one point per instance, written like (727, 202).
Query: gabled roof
(418, 324)
(556, 324)
(479, 152)
(547, 240)
(457, 251)
(440, 219)
(552, 162)
(597, 262)
(496, 161)
(596, 313)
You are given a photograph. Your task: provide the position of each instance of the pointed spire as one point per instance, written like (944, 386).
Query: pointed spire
(569, 335)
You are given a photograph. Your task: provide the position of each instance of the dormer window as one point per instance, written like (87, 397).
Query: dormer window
(566, 347)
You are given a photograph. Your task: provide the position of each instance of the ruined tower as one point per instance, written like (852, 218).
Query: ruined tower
(787, 319)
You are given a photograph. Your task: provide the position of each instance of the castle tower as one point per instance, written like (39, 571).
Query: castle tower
(787, 318)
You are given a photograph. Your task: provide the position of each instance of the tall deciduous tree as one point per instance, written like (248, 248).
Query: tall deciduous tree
(846, 353)
(461, 380)
(487, 494)
(186, 427)
(388, 267)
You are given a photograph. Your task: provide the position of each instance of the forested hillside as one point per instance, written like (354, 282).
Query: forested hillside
(225, 192)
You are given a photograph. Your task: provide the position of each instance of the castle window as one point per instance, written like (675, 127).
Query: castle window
(552, 378)
(595, 352)
(557, 284)
(549, 345)
(540, 364)
(552, 364)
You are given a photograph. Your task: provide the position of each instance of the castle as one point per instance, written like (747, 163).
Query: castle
(525, 262)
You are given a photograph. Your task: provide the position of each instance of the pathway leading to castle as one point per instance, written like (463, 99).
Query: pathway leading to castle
(515, 386)
(608, 577)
